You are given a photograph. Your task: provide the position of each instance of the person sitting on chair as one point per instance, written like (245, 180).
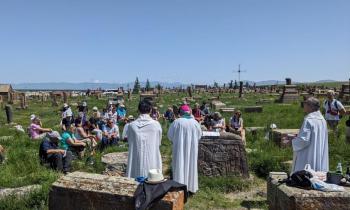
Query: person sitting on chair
(236, 125)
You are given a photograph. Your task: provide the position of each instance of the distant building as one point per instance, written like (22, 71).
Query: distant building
(6, 92)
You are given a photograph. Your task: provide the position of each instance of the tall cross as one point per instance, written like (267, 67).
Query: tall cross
(239, 71)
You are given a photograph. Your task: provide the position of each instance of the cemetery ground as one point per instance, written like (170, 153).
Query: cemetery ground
(22, 167)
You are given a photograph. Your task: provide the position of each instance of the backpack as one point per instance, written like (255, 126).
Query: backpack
(299, 179)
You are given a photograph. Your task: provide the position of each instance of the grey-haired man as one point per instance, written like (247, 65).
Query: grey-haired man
(49, 152)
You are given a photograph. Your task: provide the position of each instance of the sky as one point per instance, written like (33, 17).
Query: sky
(188, 41)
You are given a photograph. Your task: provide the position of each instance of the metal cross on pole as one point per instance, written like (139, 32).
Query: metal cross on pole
(239, 71)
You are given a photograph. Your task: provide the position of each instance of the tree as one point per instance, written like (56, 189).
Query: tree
(136, 89)
(230, 84)
(236, 85)
(148, 85)
(216, 85)
(159, 87)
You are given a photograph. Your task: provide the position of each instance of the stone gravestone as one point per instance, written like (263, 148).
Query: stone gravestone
(1, 102)
(54, 100)
(116, 163)
(344, 94)
(80, 190)
(282, 197)
(224, 155)
(240, 89)
(23, 101)
(189, 90)
(9, 116)
(290, 93)
(65, 97)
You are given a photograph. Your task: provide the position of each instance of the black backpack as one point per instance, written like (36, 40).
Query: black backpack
(300, 179)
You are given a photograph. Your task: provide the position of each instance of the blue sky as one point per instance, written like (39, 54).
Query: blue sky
(197, 41)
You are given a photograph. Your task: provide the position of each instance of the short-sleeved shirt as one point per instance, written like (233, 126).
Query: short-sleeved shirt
(46, 145)
(121, 112)
(334, 108)
(65, 136)
(113, 129)
(34, 130)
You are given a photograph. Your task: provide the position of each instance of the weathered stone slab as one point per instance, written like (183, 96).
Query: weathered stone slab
(80, 190)
(250, 109)
(283, 137)
(116, 163)
(280, 196)
(18, 192)
(217, 105)
(222, 156)
(227, 110)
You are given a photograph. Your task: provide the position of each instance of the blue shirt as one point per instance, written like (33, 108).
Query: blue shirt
(65, 136)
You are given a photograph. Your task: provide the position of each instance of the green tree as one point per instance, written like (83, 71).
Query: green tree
(148, 85)
(136, 86)
(230, 84)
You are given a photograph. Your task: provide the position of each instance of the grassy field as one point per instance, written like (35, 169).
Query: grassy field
(22, 165)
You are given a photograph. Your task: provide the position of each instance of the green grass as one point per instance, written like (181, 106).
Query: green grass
(22, 165)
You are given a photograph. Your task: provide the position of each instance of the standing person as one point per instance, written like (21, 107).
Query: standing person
(82, 111)
(67, 116)
(185, 133)
(169, 115)
(197, 113)
(144, 138)
(129, 120)
(333, 110)
(49, 152)
(311, 144)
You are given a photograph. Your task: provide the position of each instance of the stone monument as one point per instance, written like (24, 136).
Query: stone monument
(290, 93)
(222, 155)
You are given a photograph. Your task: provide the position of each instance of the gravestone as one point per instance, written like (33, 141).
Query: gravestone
(189, 90)
(23, 101)
(283, 137)
(9, 113)
(80, 190)
(344, 94)
(216, 105)
(54, 100)
(240, 89)
(222, 155)
(290, 93)
(280, 196)
(116, 163)
(65, 97)
(250, 109)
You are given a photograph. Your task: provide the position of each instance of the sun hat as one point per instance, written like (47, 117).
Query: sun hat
(95, 108)
(65, 105)
(32, 117)
(130, 117)
(155, 176)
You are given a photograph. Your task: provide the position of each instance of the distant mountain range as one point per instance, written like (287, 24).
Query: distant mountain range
(91, 85)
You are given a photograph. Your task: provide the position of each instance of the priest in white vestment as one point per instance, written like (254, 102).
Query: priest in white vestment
(144, 138)
(185, 133)
(311, 144)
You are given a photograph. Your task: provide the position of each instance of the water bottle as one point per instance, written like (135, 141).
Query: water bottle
(339, 168)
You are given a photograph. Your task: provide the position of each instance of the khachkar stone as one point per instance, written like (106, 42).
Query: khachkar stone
(222, 156)
(54, 100)
(23, 101)
(189, 90)
(65, 97)
(240, 89)
(80, 190)
(290, 93)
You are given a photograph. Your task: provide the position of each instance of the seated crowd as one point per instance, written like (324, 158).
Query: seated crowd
(80, 136)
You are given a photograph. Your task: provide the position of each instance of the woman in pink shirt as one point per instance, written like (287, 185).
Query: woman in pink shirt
(36, 131)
